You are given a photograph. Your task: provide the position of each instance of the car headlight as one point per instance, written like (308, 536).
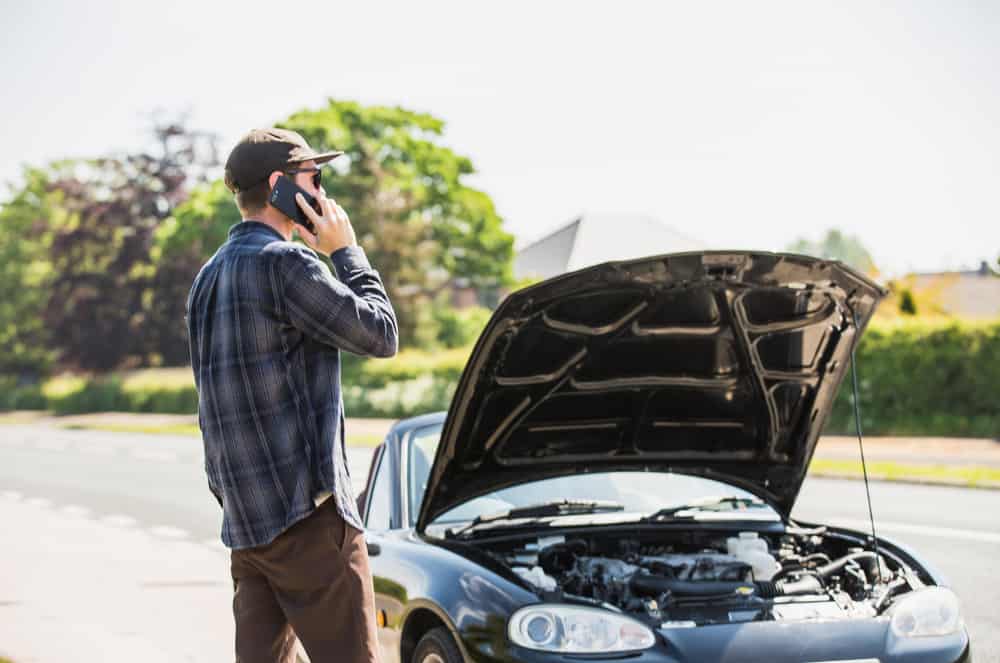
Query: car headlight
(926, 612)
(577, 630)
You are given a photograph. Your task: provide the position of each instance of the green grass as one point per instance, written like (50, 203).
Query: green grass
(21, 417)
(357, 440)
(161, 429)
(891, 471)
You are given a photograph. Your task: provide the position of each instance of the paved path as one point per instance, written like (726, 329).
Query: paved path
(111, 546)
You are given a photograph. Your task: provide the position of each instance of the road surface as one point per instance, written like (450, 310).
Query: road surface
(111, 545)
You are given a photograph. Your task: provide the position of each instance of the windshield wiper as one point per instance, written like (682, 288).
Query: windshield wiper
(543, 510)
(715, 504)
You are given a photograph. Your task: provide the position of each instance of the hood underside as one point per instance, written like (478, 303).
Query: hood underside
(720, 364)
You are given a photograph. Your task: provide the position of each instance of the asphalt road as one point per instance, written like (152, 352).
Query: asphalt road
(157, 483)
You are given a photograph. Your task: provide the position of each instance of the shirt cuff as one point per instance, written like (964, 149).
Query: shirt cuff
(348, 261)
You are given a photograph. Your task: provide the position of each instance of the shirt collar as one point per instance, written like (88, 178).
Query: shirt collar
(250, 226)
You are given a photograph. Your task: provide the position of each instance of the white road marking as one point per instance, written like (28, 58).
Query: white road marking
(168, 532)
(118, 520)
(12, 495)
(921, 530)
(38, 501)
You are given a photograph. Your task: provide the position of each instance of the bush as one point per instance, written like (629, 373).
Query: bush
(407, 366)
(411, 383)
(919, 377)
(164, 391)
(14, 396)
(400, 399)
(459, 328)
(916, 377)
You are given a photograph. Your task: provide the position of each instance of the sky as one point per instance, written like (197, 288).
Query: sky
(745, 125)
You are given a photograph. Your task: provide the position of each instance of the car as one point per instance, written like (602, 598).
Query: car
(614, 479)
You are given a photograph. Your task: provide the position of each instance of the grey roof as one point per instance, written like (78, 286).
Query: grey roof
(974, 294)
(591, 239)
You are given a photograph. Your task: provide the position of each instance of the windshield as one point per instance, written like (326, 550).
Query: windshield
(639, 492)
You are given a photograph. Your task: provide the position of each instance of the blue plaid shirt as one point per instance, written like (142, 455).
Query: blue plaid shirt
(267, 321)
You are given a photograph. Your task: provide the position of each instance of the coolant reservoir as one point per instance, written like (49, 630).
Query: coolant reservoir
(537, 577)
(749, 548)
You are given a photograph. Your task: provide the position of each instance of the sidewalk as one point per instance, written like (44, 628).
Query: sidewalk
(77, 589)
(917, 450)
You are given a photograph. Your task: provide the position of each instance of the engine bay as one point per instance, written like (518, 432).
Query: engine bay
(687, 578)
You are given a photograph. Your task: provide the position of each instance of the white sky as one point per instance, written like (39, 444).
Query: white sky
(744, 124)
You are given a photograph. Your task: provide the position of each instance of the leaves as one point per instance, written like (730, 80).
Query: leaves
(835, 245)
(420, 225)
(77, 244)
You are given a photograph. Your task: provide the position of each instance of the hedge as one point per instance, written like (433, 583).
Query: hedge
(924, 377)
(916, 378)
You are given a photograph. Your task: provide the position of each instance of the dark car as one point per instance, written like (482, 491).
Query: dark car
(615, 476)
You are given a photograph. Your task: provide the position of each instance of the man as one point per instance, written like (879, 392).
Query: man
(267, 321)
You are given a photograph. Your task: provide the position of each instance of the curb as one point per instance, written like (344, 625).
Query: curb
(915, 481)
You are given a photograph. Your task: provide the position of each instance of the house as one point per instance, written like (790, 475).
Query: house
(591, 239)
(970, 294)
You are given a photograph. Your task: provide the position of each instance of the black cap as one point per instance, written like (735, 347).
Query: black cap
(263, 151)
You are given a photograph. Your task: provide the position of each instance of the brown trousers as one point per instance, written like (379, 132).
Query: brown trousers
(313, 582)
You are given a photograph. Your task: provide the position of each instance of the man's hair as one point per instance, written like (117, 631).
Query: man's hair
(254, 199)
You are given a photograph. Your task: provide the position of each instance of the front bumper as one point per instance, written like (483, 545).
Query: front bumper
(869, 641)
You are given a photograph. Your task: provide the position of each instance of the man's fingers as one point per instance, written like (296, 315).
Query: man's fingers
(341, 214)
(310, 212)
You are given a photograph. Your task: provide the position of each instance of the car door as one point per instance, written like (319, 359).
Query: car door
(378, 518)
(388, 526)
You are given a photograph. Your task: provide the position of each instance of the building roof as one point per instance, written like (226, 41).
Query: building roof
(973, 294)
(591, 239)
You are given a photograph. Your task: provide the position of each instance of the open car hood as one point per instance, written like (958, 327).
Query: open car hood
(721, 364)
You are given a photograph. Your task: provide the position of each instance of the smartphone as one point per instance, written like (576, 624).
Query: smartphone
(283, 198)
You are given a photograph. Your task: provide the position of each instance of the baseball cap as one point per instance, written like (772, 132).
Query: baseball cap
(263, 151)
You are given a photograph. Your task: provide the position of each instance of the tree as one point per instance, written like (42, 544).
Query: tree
(835, 245)
(79, 237)
(25, 270)
(907, 304)
(419, 223)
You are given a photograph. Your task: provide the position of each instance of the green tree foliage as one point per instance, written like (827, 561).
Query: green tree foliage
(419, 223)
(98, 255)
(459, 328)
(79, 237)
(835, 245)
(181, 244)
(26, 271)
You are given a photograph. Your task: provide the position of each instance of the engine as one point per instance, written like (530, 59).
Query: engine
(705, 579)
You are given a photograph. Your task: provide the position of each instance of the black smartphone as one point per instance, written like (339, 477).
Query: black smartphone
(283, 198)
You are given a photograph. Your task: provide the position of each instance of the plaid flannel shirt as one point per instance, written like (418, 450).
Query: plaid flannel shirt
(266, 323)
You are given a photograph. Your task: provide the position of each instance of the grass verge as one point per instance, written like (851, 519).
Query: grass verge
(164, 429)
(976, 477)
(356, 440)
(21, 417)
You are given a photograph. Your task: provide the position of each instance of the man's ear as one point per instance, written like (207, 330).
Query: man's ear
(273, 177)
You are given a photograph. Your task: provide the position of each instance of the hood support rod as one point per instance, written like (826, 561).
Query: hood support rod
(861, 446)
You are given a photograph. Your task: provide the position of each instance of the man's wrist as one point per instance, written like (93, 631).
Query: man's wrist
(348, 259)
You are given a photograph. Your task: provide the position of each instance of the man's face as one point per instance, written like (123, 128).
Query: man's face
(306, 179)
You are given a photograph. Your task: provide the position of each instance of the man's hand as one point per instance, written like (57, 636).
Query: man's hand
(333, 229)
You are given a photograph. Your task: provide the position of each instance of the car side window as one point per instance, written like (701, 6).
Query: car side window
(380, 500)
(422, 448)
